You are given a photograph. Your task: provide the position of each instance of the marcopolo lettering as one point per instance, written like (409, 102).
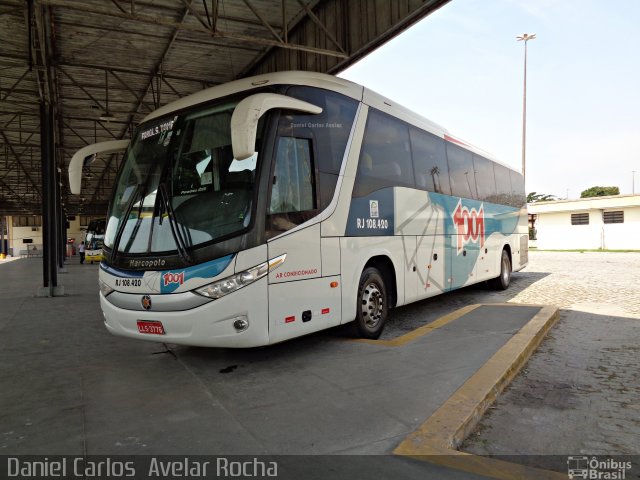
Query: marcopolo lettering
(157, 262)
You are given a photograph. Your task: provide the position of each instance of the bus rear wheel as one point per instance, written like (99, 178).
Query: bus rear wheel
(502, 281)
(372, 305)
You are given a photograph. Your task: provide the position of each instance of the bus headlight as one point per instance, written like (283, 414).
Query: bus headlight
(104, 288)
(236, 282)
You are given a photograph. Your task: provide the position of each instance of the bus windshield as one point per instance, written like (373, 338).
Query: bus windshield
(95, 234)
(180, 184)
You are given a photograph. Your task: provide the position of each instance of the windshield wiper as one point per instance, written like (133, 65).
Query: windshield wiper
(173, 223)
(123, 223)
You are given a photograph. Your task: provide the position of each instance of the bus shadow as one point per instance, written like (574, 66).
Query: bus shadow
(400, 321)
(414, 315)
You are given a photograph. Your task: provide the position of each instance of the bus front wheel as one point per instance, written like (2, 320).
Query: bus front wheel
(372, 305)
(502, 281)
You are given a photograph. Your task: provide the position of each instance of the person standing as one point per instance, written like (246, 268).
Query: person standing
(81, 252)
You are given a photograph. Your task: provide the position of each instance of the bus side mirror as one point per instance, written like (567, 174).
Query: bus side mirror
(244, 121)
(85, 156)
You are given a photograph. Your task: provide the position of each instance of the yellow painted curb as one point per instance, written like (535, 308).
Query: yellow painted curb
(438, 437)
(421, 331)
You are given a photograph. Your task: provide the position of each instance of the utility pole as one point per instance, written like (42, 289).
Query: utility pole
(524, 38)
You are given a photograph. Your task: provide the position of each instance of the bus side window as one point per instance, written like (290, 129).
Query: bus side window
(430, 162)
(518, 195)
(329, 129)
(385, 156)
(485, 179)
(503, 185)
(293, 192)
(463, 180)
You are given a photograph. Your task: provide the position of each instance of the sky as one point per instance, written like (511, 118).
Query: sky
(462, 68)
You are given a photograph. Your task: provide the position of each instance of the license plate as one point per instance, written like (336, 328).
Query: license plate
(150, 327)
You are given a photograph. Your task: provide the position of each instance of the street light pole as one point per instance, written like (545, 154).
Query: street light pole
(524, 37)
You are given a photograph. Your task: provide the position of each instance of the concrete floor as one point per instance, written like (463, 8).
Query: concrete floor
(578, 394)
(68, 387)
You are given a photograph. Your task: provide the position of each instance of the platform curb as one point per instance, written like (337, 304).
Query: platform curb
(438, 438)
(421, 331)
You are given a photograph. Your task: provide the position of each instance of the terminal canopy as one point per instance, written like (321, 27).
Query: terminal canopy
(104, 65)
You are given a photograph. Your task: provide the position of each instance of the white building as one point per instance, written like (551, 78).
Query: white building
(24, 232)
(609, 223)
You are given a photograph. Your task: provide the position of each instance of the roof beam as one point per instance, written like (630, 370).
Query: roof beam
(19, 160)
(113, 135)
(171, 87)
(12, 88)
(287, 28)
(11, 191)
(152, 77)
(66, 125)
(66, 74)
(131, 71)
(319, 23)
(135, 95)
(194, 12)
(264, 21)
(153, 20)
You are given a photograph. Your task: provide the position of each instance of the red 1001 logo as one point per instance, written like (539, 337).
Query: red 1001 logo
(469, 224)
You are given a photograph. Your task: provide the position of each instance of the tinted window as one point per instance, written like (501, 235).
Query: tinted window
(293, 198)
(485, 179)
(330, 131)
(503, 184)
(430, 162)
(463, 182)
(292, 189)
(385, 156)
(518, 196)
(331, 127)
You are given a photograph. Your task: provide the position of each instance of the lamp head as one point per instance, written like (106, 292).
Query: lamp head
(526, 37)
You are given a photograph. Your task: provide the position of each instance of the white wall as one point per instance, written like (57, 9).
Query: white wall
(76, 232)
(624, 236)
(18, 234)
(555, 232)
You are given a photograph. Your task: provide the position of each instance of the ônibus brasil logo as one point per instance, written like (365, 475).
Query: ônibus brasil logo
(169, 278)
(469, 225)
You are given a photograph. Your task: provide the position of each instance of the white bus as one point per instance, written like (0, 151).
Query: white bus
(283, 204)
(93, 240)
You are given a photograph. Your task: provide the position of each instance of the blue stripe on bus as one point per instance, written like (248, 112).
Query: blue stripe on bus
(362, 221)
(204, 270)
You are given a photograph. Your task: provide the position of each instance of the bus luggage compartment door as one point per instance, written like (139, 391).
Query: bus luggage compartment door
(304, 306)
(296, 286)
(463, 257)
(432, 265)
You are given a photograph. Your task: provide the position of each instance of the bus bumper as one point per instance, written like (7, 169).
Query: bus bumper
(93, 258)
(209, 325)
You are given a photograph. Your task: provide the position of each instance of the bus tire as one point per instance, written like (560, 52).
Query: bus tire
(502, 281)
(372, 305)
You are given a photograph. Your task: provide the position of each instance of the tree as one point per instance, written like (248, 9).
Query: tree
(534, 197)
(600, 192)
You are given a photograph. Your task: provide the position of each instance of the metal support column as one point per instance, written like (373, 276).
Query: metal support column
(60, 224)
(3, 251)
(49, 204)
